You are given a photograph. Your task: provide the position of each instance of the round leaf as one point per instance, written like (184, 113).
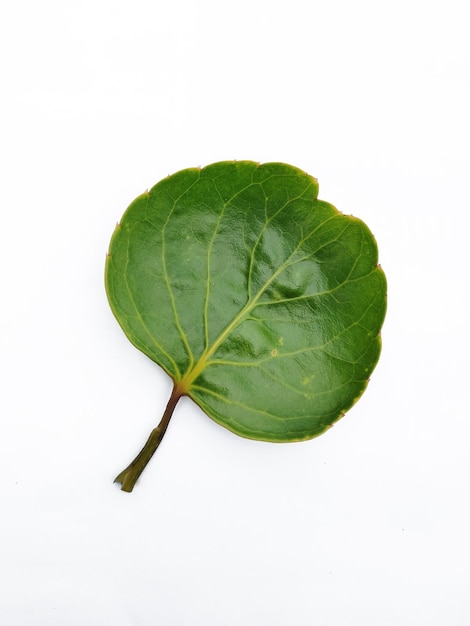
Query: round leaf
(263, 303)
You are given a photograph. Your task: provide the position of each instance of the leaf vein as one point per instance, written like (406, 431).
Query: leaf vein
(141, 318)
(167, 279)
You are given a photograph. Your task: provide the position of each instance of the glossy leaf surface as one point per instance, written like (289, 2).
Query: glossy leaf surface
(263, 303)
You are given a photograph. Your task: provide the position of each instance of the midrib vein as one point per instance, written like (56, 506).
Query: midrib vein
(198, 367)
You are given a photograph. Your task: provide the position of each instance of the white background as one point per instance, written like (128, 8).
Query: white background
(365, 525)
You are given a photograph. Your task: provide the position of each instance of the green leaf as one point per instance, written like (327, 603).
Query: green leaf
(263, 303)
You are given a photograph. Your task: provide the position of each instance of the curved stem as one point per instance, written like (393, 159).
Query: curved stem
(128, 477)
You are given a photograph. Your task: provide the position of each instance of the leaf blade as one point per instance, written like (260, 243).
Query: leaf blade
(264, 303)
